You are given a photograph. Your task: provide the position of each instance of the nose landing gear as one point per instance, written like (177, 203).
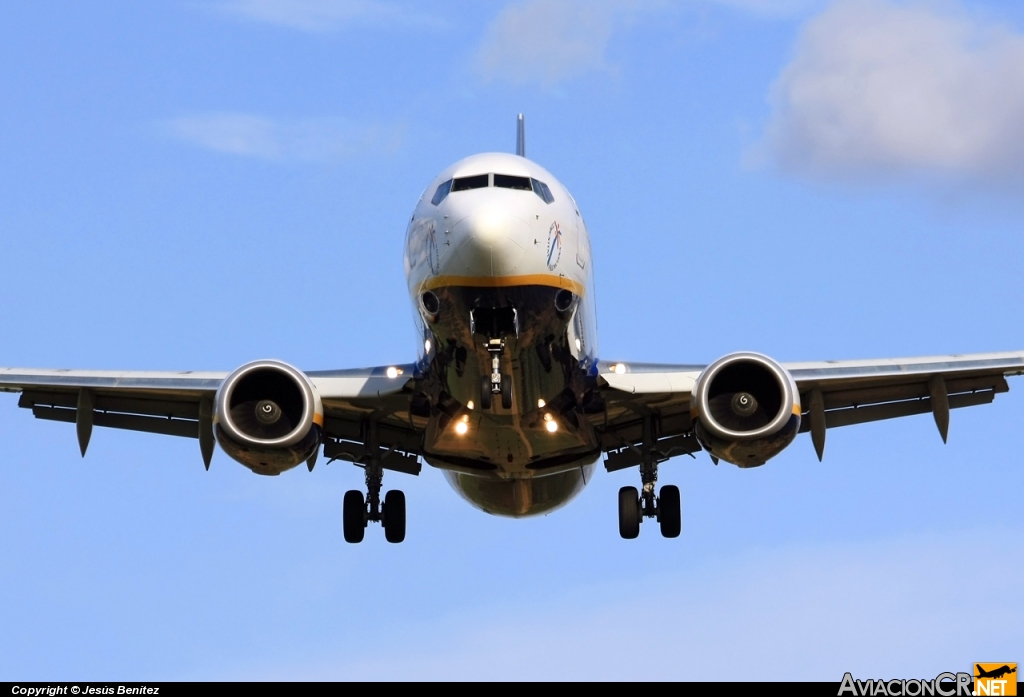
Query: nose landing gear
(496, 383)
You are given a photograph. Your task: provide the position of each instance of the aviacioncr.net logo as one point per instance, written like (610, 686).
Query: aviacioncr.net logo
(942, 685)
(995, 679)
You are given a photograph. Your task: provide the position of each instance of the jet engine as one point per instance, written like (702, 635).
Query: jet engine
(745, 409)
(268, 416)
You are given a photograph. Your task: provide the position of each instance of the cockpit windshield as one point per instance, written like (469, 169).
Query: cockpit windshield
(441, 192)
(502, 181)
(507, 181)
(542, 190)
(478, 181)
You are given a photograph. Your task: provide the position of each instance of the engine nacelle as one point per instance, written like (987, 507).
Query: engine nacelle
(745, 409)
(268, 416)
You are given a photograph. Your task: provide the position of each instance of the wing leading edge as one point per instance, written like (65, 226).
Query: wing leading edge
(832, 394)
(371, 410)
(355, 402)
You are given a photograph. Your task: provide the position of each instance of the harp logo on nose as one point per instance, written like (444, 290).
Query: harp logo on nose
(432, 252)
(554, 246)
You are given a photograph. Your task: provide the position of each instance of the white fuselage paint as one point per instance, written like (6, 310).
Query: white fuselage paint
(514, 241)
(495, 236)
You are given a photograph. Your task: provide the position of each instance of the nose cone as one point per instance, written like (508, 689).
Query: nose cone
(489, 244)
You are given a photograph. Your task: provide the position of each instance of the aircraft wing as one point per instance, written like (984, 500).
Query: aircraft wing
(181, 404)
(378, 399)
(832, 394)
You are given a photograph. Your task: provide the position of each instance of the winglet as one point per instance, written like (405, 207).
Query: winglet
(520, 136)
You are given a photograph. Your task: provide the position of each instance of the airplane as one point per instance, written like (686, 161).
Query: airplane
(995, 673)
(509, 396)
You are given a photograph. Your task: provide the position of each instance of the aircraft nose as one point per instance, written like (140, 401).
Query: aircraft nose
(490, 244)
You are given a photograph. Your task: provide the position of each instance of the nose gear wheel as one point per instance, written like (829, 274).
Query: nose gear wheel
(506, 391)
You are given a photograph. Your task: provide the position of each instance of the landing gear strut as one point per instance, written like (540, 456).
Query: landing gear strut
(635, 505)
(496, 383)
(358, 512)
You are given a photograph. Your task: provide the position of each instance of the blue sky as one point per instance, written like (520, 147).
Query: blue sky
(192, 185)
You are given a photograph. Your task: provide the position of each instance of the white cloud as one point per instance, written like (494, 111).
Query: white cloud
(879, 88)
(308, 139)
(547, 41)
(773, 8)
(324, 15)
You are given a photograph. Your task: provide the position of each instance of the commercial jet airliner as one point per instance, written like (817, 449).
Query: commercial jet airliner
(509, 396)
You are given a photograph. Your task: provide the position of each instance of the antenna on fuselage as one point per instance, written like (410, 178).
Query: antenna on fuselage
(520, 137)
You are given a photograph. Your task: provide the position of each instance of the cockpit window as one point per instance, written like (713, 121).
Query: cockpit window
(478, 181)
(504, 181)
(441, 192)
(542, 190)
(507, 181)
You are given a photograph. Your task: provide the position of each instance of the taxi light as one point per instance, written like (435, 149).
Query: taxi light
(469, 404)
(462, 428)
(541, 403)
(552, 426)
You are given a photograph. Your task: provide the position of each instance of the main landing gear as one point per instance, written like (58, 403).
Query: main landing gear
(636, 505)
(358, 512)
(666, 508)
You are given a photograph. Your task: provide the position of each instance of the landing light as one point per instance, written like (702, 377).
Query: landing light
(552, 426)
(541, 403)
(462, 428)
(393, 372)
(426, 346)
(619, 368)
(579, 344)
(469, 404)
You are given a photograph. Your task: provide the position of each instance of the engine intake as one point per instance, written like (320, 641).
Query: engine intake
(745, 408)
(268, 416)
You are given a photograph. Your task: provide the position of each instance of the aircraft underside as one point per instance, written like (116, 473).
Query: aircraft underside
(506, 385)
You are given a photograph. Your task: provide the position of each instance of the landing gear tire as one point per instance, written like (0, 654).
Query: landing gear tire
(506, 391)
(353, 516)
(485, 392)
(670, 515)
(629, 512)
(394, 516)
